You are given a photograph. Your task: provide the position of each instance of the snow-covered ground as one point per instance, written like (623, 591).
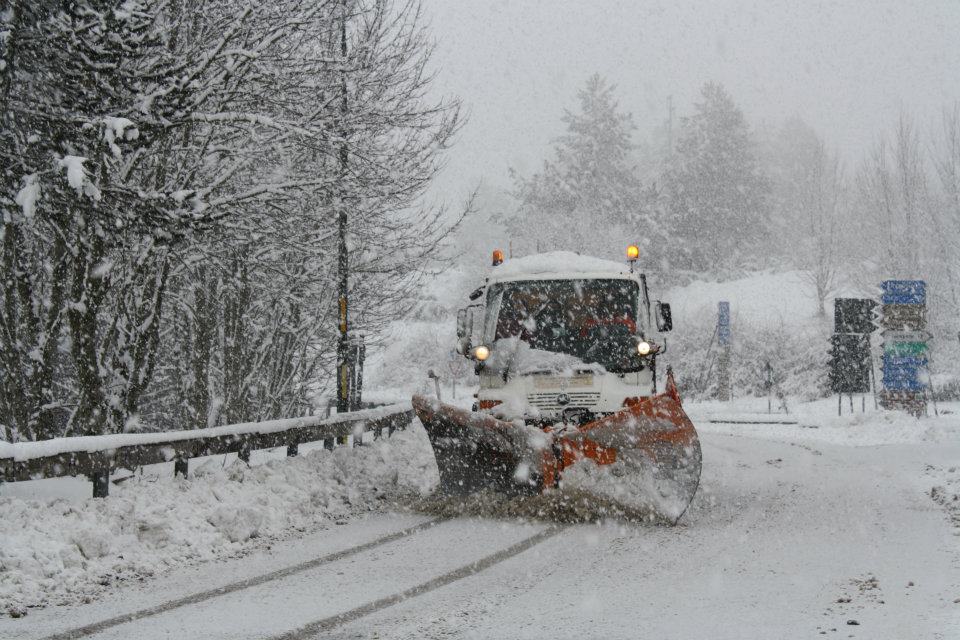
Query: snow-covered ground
(797, 530)
(819, 421)
(57, 547)
(841, 526)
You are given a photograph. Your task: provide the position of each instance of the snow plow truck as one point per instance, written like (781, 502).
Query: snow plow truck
(565, 348)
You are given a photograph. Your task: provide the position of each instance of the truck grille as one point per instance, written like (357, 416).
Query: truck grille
(578, 400)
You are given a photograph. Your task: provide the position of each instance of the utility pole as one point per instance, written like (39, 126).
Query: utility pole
(343, 345)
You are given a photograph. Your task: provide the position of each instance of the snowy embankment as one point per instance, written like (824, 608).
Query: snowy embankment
(818, 422)
(60, 551)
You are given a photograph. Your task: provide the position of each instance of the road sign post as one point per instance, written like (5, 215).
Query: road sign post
(850, 361)
(905, 345)
(723, 357)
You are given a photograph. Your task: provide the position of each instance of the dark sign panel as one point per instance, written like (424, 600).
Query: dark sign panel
(853, 315)
(850, 363)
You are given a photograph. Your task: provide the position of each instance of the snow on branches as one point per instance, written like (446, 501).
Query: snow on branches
(201, 154)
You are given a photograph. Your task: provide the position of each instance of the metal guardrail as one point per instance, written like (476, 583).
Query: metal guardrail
(97, 456)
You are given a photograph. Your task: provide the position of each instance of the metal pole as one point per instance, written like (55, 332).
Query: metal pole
(358, 374)
(343, 345)
(352, 370)
(436, 383)
(101, 483)
(723, 359)
(768, 383)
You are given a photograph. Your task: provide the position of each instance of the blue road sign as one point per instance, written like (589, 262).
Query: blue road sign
(723, 324)
(903, 362)
(903, 384)
(902, 373)
(904, 292)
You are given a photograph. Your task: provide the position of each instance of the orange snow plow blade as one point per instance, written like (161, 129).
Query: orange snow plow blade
(645, 458)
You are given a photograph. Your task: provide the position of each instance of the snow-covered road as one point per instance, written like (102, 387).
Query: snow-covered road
(785, 540)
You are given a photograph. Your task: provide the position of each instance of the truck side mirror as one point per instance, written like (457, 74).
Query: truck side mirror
(462, 331)
(664, 317)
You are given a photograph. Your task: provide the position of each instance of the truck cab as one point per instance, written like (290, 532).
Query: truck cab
(560, 337)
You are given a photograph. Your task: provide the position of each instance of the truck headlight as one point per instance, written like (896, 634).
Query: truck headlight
(644, 348)
(481, 353)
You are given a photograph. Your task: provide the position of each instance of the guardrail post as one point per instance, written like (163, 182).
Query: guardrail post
(293, 449)
(181, 466)
(244, 452)
(358, 436)
(101, 483)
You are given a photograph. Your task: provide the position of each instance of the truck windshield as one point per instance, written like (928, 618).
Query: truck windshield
(594, 320)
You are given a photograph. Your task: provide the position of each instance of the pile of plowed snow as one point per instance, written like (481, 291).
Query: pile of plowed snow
(59, 551)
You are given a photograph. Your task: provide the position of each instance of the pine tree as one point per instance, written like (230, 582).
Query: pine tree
(716, 194)
(589, 195)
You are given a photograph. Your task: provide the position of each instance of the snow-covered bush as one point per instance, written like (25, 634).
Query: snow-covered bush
(798, 357)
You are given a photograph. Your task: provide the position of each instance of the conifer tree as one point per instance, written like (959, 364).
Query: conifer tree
(588, 196)
(716, 193)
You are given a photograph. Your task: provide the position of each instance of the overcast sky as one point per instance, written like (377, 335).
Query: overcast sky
(848, 68)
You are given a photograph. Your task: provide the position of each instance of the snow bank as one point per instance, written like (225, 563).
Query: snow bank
(818, 422)
(946, 491)
(56, 551)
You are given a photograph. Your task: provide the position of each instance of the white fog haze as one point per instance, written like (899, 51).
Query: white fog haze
(848, 68)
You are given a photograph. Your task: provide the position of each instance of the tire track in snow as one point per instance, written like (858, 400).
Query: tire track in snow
(103, 625)
(332, 622)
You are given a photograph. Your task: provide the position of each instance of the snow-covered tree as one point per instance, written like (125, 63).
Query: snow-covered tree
(588, 197)
(157, 151)
(716, 195)
(808, 201)
(895, 200)
(378, 144)
(947, 214)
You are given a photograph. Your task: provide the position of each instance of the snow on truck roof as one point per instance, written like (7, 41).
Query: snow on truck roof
(558, 264)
